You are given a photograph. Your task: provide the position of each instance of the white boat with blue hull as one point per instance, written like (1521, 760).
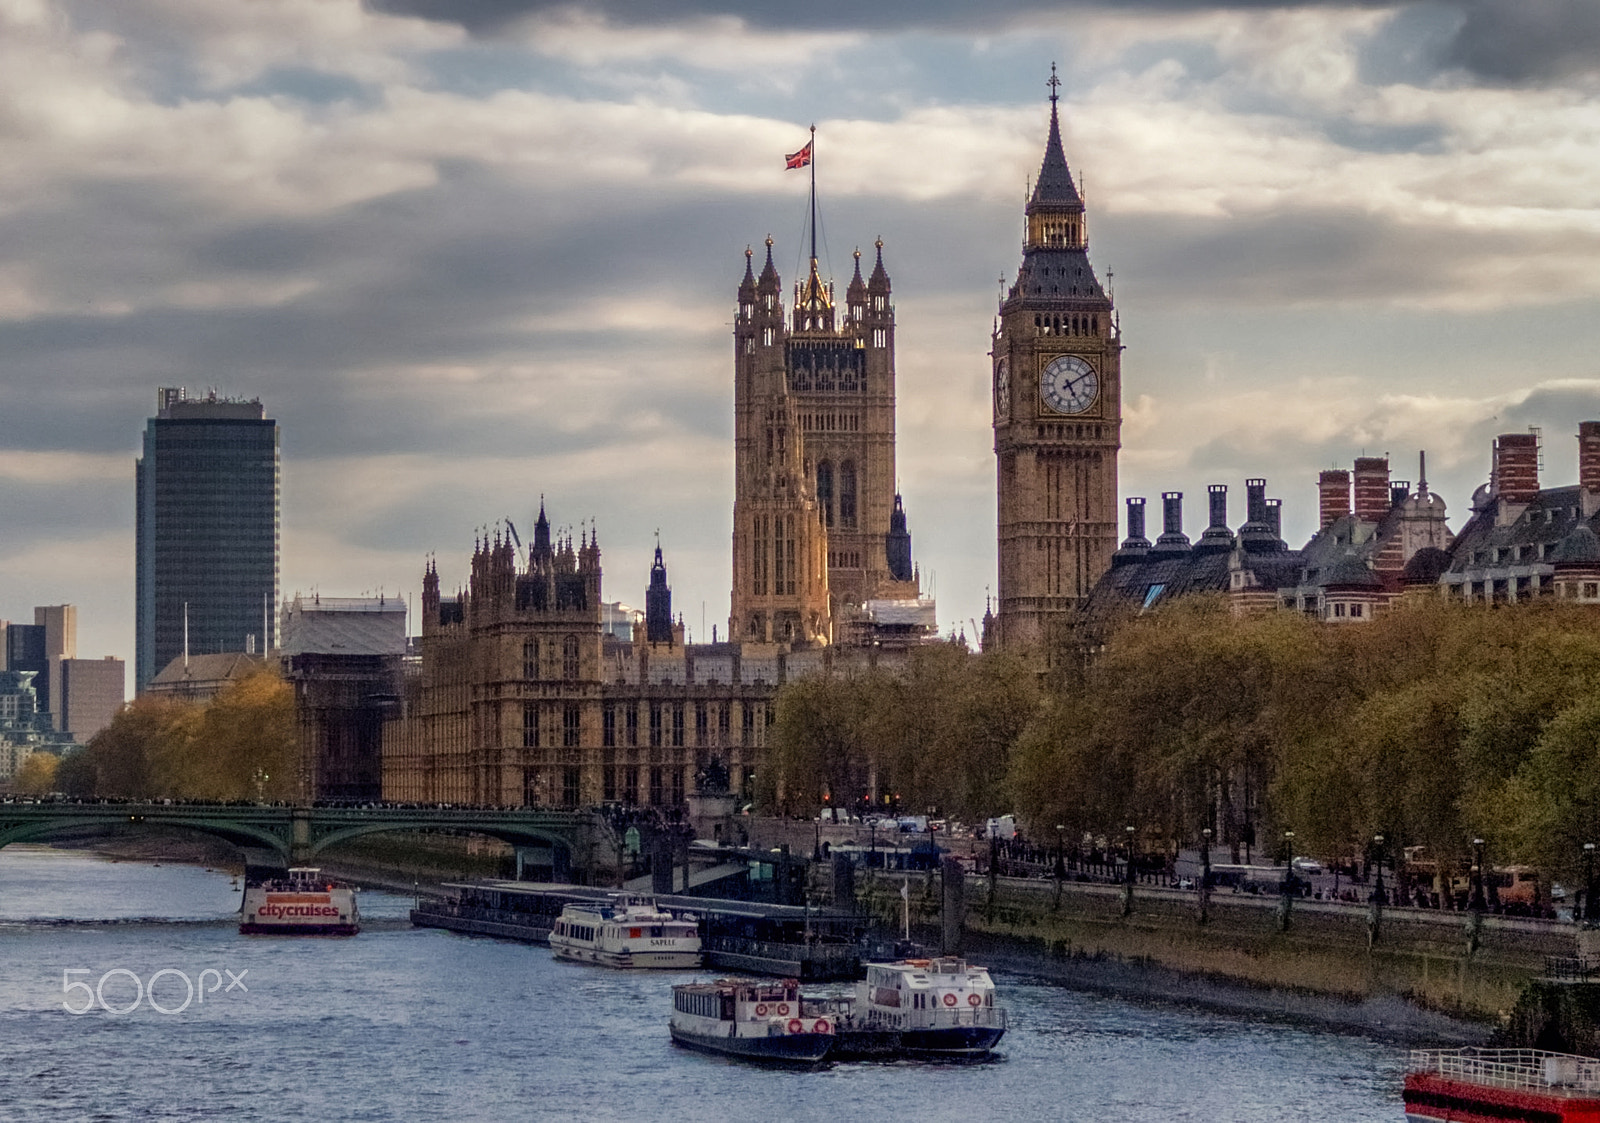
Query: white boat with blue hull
(930, 1008)
(754, 1020)
(628, 932)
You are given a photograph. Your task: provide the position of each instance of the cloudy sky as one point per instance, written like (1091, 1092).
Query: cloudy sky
(472, 251)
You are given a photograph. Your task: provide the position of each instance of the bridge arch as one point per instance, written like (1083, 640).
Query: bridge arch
(247, 837)
(515, 835)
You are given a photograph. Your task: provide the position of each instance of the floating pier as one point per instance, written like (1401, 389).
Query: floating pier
(753, 937)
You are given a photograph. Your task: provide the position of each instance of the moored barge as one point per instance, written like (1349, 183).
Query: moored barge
(766, 939)
(1501, 1086)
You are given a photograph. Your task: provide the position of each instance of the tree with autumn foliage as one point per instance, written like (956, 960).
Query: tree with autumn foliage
(936, 732)
(241, 745)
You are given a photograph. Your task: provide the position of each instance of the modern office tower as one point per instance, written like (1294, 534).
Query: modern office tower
(207, 530)
(40, 647)
(59, 625)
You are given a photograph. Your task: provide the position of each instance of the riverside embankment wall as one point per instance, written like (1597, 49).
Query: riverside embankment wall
(1447, 962)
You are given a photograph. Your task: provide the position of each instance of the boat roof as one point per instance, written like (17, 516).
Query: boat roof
(938, 965)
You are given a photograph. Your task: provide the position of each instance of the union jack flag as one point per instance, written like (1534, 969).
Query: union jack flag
(799, 159)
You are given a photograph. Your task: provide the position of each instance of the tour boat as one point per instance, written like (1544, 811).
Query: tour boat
(941, 1007)
(1500, 1085)
(626, 931)
(304, 903)
(755, 1020)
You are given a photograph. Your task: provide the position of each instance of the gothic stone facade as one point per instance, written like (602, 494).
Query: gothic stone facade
(1057, 415)
(521, 699)
(817, 529)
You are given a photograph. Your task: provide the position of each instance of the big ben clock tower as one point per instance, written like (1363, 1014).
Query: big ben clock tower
(1057, 414)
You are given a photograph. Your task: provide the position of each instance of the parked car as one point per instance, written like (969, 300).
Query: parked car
(1308, 866)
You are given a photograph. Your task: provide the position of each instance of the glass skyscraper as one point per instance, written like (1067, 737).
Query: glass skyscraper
(208, 487)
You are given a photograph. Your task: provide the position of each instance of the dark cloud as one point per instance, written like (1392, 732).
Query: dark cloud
(1314, 256)
(490, 17)
(1527, 41)
(1495, 41)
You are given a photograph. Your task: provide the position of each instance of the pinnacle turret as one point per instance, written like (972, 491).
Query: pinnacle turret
(879, 282)
(769, 271)
(857, 291)
(747, 286)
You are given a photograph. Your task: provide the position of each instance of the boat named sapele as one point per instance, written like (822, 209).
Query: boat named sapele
(626, 931)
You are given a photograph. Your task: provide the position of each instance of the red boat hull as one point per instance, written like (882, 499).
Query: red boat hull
(1430, 1098)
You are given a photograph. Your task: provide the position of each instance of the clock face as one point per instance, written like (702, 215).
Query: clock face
(1002, 388)
(1068, 384)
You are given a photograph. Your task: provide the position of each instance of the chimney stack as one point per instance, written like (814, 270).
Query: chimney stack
(1219, 505)
(1136, 521)
(1255, 504)
(1399, 492)
(1371, 488)
(1515, 475)
(1172, 519)
(1275, 517)
(1589, 455)
(1333, 495)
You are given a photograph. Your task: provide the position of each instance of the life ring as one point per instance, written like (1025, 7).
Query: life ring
(974, 1000)
(783, 1009)
(796, 1025)
(761, 1010)
(949, 999)
(821, 1026)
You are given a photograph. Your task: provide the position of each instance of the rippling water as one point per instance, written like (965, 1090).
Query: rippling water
(417, 1024)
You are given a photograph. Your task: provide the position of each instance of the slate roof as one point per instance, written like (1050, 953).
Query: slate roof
(1054, 187)
(1532, 537)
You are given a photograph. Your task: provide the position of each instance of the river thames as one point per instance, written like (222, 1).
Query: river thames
(418, 1024)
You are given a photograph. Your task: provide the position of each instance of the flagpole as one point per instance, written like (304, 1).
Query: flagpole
(813, 193)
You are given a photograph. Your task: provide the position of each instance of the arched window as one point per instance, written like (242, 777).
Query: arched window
(569, 657)
(825, 491)
(530, 658)
(847, 493)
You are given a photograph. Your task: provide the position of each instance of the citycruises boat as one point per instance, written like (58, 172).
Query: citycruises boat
(931, 1008)
(1499, 1085)
(755, 1020)
(626, 931)
(304, 903)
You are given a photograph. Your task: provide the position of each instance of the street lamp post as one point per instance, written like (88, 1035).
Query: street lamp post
(1061, 865)
(1205, 875)
(1479, 902)
(1286, 887)
(1127, 888)
(1590, 913)
(1375, 912)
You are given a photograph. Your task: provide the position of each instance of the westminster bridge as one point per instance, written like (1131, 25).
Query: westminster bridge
(278, 836)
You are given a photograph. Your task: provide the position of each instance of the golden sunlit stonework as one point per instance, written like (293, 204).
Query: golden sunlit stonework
(523, 696)
(818, 529)
(1057, 382)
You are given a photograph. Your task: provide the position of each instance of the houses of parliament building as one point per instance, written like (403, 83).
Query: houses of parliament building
(524, 695)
